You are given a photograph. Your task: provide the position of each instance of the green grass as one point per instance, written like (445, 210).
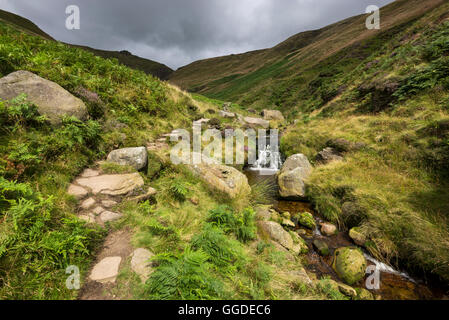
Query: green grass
(40, 235)
(395, 188)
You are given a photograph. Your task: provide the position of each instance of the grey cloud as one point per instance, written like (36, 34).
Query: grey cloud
(177, 32)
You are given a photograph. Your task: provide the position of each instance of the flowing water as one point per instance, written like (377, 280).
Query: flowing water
(394, 285)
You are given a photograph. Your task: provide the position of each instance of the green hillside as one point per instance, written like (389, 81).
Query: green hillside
(280, 77)
(388, 91)
(148, 66)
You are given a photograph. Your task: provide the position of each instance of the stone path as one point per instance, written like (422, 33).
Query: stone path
(98, 194)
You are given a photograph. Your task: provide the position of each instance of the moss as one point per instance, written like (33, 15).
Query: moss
(306, 219)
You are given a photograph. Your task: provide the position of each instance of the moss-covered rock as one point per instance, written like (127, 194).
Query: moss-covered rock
(357, 236)
(321, 247)
(363, 294)
(306, 220)
(349, 264)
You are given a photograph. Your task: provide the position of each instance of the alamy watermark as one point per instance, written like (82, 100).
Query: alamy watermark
(373, 21)
(73, 281)
(73, 21)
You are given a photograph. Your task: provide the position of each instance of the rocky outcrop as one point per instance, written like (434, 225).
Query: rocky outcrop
(294, 172)
(256, 122)
(328, 155)
(112, 185)
(222, 178)
(349, 264)
(51, 99)
(134, 157)
(272, 115)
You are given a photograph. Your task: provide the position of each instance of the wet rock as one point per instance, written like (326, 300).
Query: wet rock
(294, 172)
(349, 264)
(78, 192)
(272, 115)
(306, 220)
(328, 229)
(358, 237)
(113, 185)
(106, 270)
(321, 247)
(134, 157)
(140, 263)
(328, 155)
(50, 99)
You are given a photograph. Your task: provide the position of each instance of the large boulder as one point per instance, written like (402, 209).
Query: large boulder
(222, 178)
(51, 99)
(272, 115)
(291, 178)
(134, 157)
(275, 232)
(256, 122)
(112, 185)
(349, 264)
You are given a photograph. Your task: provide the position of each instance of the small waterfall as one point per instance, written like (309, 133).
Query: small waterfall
(268, 161)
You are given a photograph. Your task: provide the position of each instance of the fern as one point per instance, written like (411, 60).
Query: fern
(186, 276)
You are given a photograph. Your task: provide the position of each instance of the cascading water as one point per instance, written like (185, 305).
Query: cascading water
(268, 162)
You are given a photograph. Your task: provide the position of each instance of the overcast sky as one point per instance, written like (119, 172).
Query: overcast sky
(177, 32)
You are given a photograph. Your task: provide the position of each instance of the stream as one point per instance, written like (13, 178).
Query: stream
(394, 284)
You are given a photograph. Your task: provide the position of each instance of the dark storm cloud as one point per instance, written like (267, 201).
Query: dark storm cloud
(177, 32)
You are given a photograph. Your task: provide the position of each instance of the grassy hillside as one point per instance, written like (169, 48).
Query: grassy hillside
(148, 66)
(279, 77)
(386, 90)
(205, 251)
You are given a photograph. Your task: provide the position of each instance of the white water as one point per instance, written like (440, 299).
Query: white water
(268, 162)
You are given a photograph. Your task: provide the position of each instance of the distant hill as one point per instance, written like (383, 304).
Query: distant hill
(280, 76)
(148, 66)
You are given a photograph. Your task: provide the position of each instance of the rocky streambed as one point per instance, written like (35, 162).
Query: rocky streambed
(324, 239)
